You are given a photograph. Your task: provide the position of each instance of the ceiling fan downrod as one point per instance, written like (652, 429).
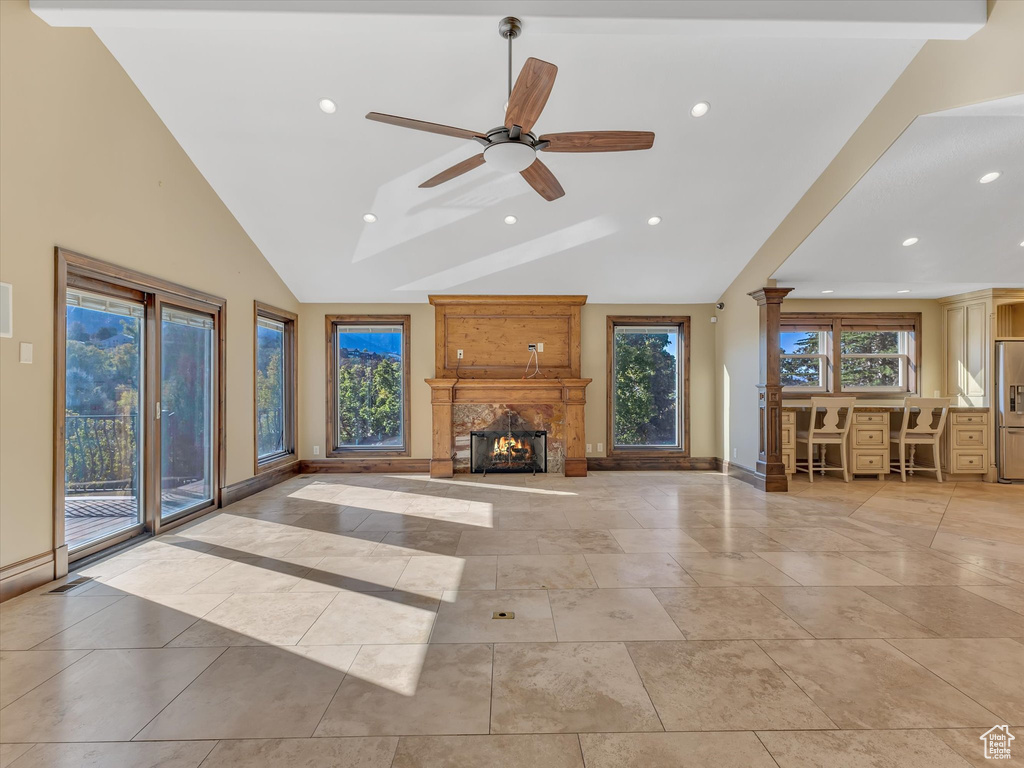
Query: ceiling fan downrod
(510, 28)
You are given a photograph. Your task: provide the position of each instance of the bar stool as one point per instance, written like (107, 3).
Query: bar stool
(923, 421)
(836, 417)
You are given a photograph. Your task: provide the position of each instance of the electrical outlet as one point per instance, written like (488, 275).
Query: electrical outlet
(734, 453)
(458, 354)
(316, 450)
(600, 447)
(25, 352)
(531, 347)
(540, 346)
(590, 447)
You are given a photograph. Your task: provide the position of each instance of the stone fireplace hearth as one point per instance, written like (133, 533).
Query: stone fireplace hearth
(473, 417)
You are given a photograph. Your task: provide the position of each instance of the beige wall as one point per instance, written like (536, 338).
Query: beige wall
(88, 165)
(312, 366)
(313, 371)
(945, 74)
(702, 369)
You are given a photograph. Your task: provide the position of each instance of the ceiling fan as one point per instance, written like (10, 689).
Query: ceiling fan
(512, 147)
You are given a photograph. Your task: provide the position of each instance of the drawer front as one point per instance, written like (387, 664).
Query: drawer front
(789, 462)
(970, 418)
(869, 462)
(788, 435)
(970, 461)
(870, 418)
(789, 417)
(868, 437)
(968, 437)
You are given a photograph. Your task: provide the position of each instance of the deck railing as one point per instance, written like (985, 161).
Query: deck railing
(101, 453)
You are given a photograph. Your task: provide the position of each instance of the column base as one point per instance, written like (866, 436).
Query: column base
(442, 468)
(576, 467)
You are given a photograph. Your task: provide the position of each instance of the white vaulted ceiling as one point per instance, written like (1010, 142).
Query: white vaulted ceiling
(239, 88)
(969, 235)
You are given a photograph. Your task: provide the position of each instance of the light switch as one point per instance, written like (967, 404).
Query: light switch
(316, 450)
(600, 447)
(590, 447)
(25, 352)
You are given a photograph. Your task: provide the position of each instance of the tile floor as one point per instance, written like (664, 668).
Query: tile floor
(661, 619)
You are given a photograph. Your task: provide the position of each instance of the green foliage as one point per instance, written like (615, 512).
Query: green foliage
(102, 405)
(871, 371)
(646, 384)
(269, 392)
(856, 371)
(369, 399)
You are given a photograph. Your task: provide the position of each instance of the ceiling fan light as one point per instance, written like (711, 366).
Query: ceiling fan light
(510, 156)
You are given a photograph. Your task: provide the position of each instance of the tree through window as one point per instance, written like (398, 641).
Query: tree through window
(646, 381)
(369, 367)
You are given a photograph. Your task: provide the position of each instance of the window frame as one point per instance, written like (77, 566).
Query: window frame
(290, 376)
(682, 450)
(837, 323)
(333, 450)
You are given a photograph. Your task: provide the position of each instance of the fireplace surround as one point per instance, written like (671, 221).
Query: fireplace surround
(482, 344)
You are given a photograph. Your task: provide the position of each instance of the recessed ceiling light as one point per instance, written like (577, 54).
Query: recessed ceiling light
(905, 290)
(654, 221)
(328, 106)
(511, 219)
(700, 109)
(990, 177)
(369, 218)
(828, 291)
(1022, 243)
(909, 241)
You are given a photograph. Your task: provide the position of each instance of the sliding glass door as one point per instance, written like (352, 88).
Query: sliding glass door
(187, 410)
(103, 428)
(138, 435)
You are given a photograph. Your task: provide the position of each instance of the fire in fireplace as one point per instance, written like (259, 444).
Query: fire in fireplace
(508, 451)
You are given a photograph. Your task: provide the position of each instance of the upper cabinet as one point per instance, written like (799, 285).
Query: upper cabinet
(965, 335)
(971, 324)
(1010, 320)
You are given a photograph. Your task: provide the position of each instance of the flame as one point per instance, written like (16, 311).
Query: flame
(509, 447)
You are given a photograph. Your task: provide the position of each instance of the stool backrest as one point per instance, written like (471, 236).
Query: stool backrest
(930, 413)
(836, 415)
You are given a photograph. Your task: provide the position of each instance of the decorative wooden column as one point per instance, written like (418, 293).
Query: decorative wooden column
(770, 469)
(442, 393)
(574, 395)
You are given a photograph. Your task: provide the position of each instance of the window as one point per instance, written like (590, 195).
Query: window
(275, 385)
(859, 353)
(874, 360)
(368, 393)
(804, 361)
(647, 384)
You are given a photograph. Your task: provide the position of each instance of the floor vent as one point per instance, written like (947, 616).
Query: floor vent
(68, 586)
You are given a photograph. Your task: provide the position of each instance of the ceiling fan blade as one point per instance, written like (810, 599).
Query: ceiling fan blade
(456, 170)
(422, 125)
(530, 94)
(598, 141)
(540, 177)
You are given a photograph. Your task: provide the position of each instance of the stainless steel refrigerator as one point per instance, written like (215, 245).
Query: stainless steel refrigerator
(1010, 410)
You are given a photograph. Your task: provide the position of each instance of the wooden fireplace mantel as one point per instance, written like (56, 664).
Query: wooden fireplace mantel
(444, 393)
